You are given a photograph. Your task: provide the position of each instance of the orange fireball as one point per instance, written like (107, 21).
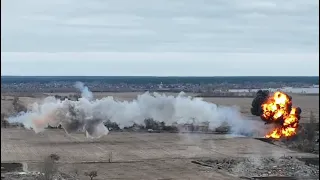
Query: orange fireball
(278, 109)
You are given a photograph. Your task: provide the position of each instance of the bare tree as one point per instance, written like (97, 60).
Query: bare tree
(49, 168)
(311, 127)
(307, 133)
(76, 174)
(110, 157)
(54, 157)
(4, 122)
(91, 174)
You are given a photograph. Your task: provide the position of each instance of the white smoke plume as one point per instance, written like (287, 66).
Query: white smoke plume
(89, 115)
(85, 92)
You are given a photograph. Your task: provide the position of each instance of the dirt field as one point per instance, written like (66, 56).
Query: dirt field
(23, 145)
(140, 155)
(134, 155)
(307, 103)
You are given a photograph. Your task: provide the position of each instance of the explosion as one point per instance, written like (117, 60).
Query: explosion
(277, 109)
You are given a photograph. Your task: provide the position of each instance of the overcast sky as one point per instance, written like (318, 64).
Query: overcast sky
(160, 37)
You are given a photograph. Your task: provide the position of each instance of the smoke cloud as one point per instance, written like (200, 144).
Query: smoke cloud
(85, 92)
(260, 98)
(89, 115)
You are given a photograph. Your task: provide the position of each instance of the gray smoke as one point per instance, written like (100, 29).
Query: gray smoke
(89, 115)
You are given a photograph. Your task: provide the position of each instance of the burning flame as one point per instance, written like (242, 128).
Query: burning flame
(278, 109)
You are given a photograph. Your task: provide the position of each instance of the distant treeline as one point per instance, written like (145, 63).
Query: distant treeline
(164, 80)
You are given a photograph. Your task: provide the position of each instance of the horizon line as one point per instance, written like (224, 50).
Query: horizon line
(146, 76)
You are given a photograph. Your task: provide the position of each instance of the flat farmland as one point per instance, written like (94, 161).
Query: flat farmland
(25, 145)
(125, 155)
(134, 155)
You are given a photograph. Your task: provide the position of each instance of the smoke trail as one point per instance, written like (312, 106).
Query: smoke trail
(85, 92)
(89, 115)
